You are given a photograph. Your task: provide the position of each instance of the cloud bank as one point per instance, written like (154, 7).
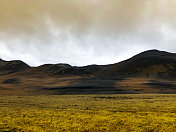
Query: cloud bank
(82, 32)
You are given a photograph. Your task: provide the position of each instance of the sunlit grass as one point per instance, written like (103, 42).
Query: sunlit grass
(88, 113)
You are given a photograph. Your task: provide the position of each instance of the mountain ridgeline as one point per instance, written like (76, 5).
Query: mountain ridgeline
(149, 72)
(149, 64)
(7, 67)
(153, 63)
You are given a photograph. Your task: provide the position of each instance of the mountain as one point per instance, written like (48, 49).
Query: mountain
(7, 67)
(151, 71)
(67, 70)
(150, 64)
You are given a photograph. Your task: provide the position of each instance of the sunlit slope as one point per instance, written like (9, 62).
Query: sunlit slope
(95, 113)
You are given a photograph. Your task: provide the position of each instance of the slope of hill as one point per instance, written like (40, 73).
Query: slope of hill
(150, 64)
(151, 71)
(7, 67)
(66, 69)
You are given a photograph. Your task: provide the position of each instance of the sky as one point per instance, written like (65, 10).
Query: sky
(84, 32)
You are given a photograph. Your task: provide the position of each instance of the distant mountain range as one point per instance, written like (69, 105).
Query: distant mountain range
(152, 63)
(149, 65)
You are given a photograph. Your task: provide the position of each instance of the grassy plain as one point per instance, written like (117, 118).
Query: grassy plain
(142, 112)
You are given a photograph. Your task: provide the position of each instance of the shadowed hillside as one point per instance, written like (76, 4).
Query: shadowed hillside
(66, 69)
(152, 63)
(148, 72)
(7, 67)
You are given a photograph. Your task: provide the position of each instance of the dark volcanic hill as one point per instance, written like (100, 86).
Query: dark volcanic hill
(152, 63)
(151, 71)
(7, 67)
(66, 69)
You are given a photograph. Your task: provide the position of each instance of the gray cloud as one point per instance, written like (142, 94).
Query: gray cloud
(82, 32)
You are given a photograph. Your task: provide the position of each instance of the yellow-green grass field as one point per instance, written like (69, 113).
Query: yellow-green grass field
(88, 113)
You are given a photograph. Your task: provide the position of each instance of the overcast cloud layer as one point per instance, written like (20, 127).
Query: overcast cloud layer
(82, 32)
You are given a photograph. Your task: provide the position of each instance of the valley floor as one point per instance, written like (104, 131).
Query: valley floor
(122, 112)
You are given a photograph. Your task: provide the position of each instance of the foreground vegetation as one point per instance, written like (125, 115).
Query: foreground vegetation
(88, 113)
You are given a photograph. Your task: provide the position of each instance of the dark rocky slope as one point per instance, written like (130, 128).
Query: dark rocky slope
(150, 64)
(148, 72)
(7, 67)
